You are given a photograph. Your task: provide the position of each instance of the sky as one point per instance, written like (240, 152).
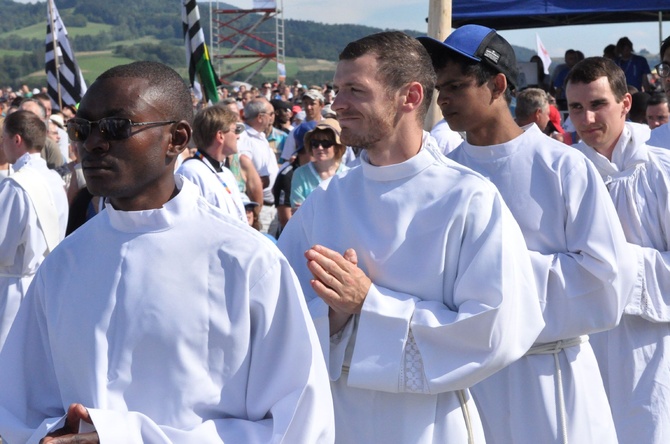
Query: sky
(411, 14)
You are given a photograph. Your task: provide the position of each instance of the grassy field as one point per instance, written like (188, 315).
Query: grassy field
(94, 63)
(39, 30)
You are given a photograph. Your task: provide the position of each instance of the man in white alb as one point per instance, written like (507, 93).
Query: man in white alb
(215, 133)
(417, 276)
(634, 357)
(583, 266)
(160, 320)
(33, 211)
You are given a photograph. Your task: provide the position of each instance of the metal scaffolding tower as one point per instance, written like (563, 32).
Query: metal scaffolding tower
(236, 35)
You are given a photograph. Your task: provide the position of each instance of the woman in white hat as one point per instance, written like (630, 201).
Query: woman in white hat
(323, 143)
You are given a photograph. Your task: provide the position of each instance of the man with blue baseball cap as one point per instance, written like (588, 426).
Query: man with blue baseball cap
(584, 269)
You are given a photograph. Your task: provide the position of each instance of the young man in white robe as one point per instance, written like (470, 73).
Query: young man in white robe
(661, 136)
(215, 133)
(634, 357)
(583, 266)
(161, 320)
(417, 276)
(33, 212)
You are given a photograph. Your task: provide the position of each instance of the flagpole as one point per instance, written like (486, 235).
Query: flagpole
(55, 45)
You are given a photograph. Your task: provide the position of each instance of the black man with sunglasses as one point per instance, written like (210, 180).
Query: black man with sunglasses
(160, 320)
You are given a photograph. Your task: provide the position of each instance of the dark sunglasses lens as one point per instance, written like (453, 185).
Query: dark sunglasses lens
(114, 128)
(78, 129)
(239, 128)
(324, 143)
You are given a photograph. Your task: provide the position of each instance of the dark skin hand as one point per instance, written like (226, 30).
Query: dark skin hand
(339, 282)
(68, 433)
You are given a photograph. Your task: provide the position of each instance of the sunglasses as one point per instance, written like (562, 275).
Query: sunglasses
(111, 128)
(663, 69)
(239, 128)
(325, 144)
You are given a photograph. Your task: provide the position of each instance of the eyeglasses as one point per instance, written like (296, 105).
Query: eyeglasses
(239, 128)
(325, 144)
(272, 113)
(111, 128)
(663, 69)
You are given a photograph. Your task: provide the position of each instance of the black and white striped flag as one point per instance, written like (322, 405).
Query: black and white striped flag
(200, 69)
(72, 85)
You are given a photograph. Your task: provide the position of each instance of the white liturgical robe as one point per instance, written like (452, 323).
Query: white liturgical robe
(452, 297)
(660, 136)
(634, 357)
(218, 188)
(585, 272)
(174, 325)
(23, 245)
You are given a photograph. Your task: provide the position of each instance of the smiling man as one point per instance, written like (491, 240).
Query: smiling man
(415, 277)
(584, 268)
(634, 357)
(161, 320)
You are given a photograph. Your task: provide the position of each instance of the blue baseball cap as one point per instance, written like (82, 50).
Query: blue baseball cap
(479, 44)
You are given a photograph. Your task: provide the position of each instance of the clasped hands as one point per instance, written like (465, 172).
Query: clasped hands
(69, 433)
(339, 281)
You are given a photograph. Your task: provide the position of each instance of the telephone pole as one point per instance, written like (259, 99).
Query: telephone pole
(439, 27)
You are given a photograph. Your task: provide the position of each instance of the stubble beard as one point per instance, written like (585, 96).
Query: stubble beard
(378, 126)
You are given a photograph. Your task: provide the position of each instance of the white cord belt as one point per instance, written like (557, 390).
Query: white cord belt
(554, 348)
(462, 399)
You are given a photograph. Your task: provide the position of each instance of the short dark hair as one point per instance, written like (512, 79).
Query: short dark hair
(657, 99)
(29, 126)
(470, 68)
(593, 68)
(401, 59)
(173, 90)
(208, 121)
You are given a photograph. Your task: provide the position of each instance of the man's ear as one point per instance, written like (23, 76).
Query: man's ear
(179, 138)
(412, 96)
(627, 103)
(499, 82)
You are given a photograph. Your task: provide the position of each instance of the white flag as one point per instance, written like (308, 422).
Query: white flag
(72, 85)
(543, 54)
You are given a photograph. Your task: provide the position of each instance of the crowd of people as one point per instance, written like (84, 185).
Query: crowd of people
(307, 264)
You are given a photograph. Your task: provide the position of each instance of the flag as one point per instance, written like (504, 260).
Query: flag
(200, 69)
(543, 54)
(72, 85)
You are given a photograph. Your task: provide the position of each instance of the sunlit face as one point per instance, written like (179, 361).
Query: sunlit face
(312, 108)
(543, 119)
(135, 172)
(53, 133)
(319, 152)
(364, 109)
(463, 103)
(230, 140)
(657, 115)
(596, 114)
(11, 148)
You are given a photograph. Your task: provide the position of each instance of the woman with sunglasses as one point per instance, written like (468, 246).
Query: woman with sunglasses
(323, 143)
